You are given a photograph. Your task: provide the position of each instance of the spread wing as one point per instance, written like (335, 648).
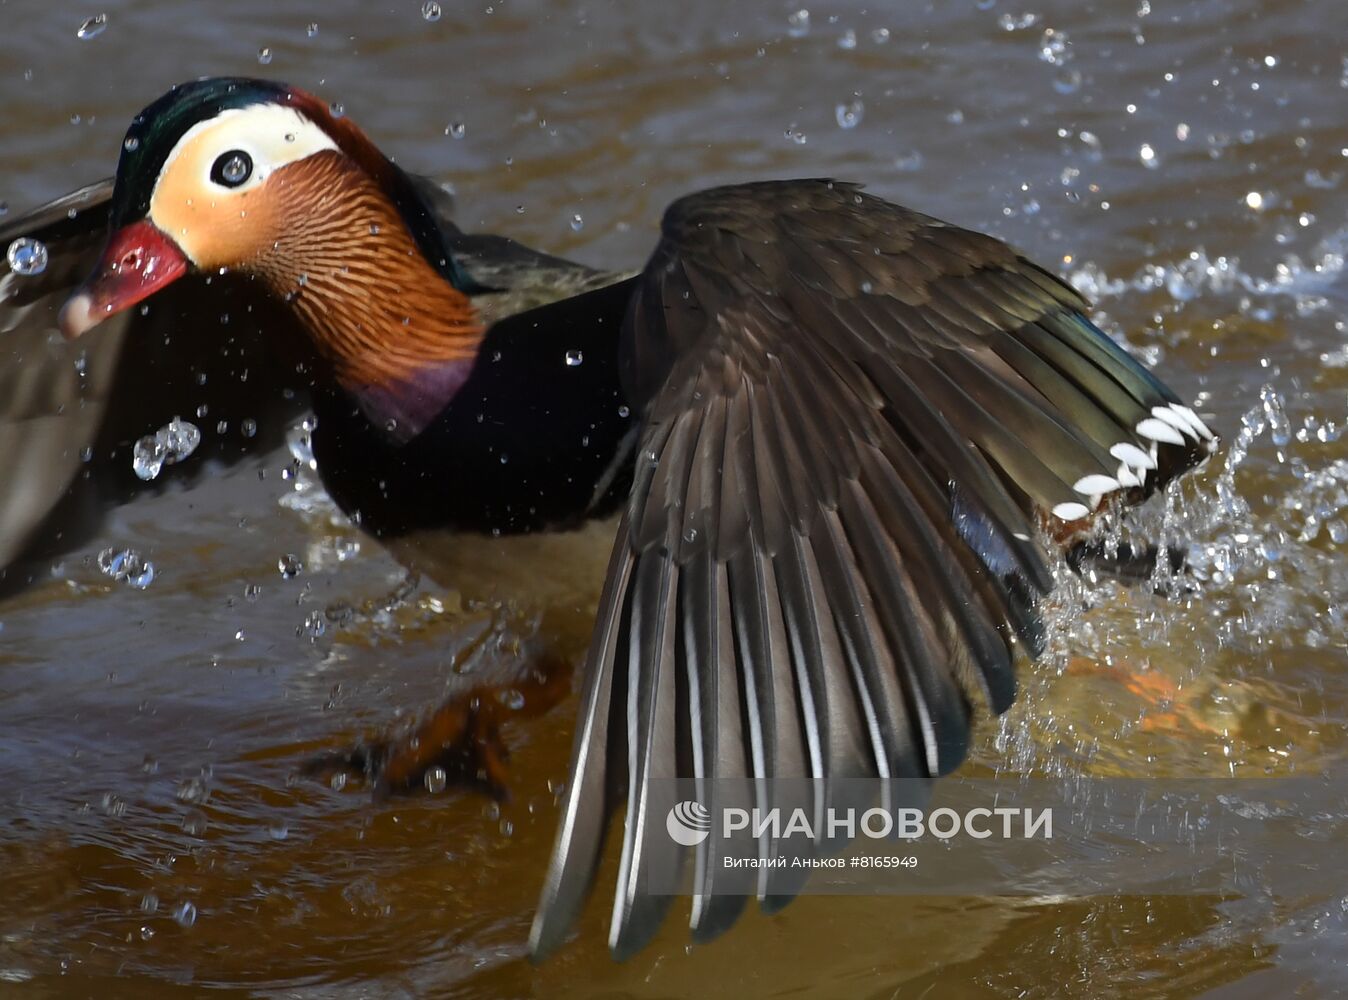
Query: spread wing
(70, 412)
(855, 419)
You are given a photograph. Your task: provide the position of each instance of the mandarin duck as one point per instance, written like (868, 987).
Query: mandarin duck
(832, 442)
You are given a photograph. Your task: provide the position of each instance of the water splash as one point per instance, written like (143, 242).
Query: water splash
(127, 566)
(172, 443)
(1262, 568)
(1306, 279)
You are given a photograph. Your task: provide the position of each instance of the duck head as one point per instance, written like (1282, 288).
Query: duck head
(261, 179)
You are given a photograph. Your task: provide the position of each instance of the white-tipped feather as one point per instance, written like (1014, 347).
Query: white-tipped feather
(1127, 477)
(1095, 484)
(1132, 455)
(1159, 430)
(1169, 416)
(1195, 421)
(1071, 511)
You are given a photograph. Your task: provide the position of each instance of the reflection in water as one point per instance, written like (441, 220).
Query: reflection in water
(1184, 167)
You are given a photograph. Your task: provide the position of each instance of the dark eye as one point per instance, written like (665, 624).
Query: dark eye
(232, 169)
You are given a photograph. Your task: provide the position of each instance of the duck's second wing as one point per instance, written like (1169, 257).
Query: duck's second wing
(855, 419)
(71, 412)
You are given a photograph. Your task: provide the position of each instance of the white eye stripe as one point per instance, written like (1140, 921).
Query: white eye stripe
(271, 135)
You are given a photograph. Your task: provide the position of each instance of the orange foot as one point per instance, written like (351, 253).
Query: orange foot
(1168, 706)
(459, 744)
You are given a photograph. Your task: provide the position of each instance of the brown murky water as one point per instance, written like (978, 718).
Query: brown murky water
(1184, 161)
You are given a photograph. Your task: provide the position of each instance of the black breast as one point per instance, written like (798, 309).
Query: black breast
(537, 438)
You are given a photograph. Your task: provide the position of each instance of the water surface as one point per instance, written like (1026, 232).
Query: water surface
(1182, 162)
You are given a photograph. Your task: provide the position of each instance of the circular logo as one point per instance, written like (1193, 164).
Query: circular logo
(688, 823)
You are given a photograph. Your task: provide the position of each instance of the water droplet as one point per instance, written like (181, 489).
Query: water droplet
(248, 427)
(93, 27)
(430, 11)
(313, 626)
(185, 914)
(504, 458)
(798, 23)
(251, 591)
(880, 36)
(577, 223)
(193, 790)
(1067, 80)
(455, 130)
(336, 109)
(312, 29)
(435, 780)
(512, 699)
(1148, 156)
(624, 411)
(131, 144)
(849, 114)
(574, 358)
(909, 162)
(126, 566)
(1054, 47)
(848, 39)
(264, 56)
(113, 806)
(289, 566)
(794, 133)
(1254, 200)
(195, 823)
(1011, 22)
(171, 443)
(27, 256)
